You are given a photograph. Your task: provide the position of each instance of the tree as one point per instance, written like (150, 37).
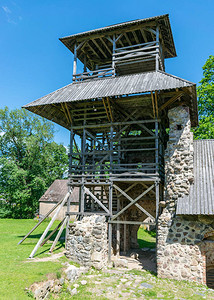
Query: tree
(205, 92)
(29, 160)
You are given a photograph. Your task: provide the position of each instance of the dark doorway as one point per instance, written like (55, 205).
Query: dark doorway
(210, 278)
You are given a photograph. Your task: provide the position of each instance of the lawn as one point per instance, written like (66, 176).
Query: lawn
(16, 272)
(146, 239)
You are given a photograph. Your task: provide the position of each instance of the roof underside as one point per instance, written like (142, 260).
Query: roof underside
(98, 47)
(200, 200)
(110, 87)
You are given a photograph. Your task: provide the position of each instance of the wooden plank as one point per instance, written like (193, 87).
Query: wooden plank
(103, 99)
(128, 189)
(109, 241)
(156, 102)
(171, 100)
(48, 227)
(47, 215)
(50, 235)
(132, 202)
(153, 104)
(131, 222)
(96, 200)
(109, 106)
(58, 235)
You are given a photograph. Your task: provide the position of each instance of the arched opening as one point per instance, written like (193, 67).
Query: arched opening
(146, 237)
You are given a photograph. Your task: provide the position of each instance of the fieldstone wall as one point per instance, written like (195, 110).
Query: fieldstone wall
(178, 244)
(87, 242)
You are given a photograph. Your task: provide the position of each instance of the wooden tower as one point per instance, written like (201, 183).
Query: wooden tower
(118, 108)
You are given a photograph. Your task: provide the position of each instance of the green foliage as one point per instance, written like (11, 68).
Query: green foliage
(206, 102)
(29, 161)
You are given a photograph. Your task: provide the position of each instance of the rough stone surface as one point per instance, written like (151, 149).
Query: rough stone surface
(181, 251)
(87, 242)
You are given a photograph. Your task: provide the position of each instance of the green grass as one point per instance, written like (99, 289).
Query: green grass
(16, 272)
(146, 239)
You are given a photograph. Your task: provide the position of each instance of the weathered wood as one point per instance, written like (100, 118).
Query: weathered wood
(95, 199)
(48, 227)
(40, 222)
(171, 100)
(52, 233)
(58, 235)
(131, 222)
(133, 202)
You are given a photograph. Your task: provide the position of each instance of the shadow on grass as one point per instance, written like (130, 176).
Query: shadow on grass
(33, 239)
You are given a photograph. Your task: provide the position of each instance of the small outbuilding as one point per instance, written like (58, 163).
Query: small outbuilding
(55, 193)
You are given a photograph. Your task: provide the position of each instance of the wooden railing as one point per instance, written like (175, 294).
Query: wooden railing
(94, 74)
(138, 53)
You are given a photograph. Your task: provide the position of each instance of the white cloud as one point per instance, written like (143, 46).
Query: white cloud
(6, 9)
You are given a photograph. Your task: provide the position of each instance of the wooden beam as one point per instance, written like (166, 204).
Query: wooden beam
(68, 112)
(99, 48)
(136, 38)
(106, 110)
(106, 46)
(96, 200)
(144, 35)
(127, 38)
(40, 222)
(156, 102)
(133, 202)
(109, 106)
(171, 100)
(65, 113)
(49, 226)
(153, 104)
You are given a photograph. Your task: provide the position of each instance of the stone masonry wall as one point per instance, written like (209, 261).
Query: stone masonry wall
(87, 242)
(178, 244)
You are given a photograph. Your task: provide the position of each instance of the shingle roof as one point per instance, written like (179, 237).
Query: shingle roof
(113, 86)
(57, 192)
(200, 200)
(162, 21)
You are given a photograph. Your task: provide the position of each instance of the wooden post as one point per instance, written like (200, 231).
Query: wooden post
(40, 222)
(85, 62)
(113, 52)
(118, 231)
(48, 227)
(58, 235)
(157, 49)
(110, 225)
(75, 60)
(157, 200)
(156, 147)
(111, 149)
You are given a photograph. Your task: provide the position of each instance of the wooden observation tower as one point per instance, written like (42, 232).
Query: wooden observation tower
(118, 108)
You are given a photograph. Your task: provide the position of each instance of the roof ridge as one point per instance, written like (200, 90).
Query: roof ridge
(176, 77)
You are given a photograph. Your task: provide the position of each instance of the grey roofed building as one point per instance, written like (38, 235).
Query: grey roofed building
(200, 200)
(55, 193)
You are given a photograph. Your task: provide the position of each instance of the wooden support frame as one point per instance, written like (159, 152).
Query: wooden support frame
(133, 201)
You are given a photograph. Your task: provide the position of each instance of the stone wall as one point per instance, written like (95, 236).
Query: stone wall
(87, 241)
(178, 241)
(182, 253)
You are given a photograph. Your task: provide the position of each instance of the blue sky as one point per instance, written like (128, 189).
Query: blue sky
(33, 62)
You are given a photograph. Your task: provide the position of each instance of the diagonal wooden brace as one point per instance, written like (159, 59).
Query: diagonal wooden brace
(96, 200)
(133, 202)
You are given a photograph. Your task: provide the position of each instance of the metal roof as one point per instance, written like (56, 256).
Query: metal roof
(200, 200)
(113, 86)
